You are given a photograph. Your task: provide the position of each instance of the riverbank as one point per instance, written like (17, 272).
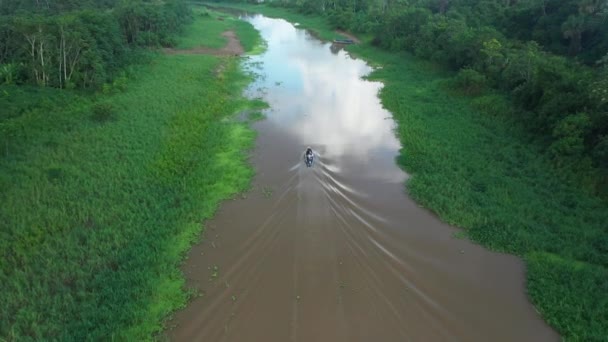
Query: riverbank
(477, 169)
(103, 194)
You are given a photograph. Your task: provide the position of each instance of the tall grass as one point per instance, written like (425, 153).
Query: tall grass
(209, 26)
(207, 30)
(477, 168)
(96, 214)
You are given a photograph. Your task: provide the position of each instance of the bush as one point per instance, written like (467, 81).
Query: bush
(600, 153)
(168, 41)
(103, 112)
(470, 82)
(494, 105)
(577, 306)
(148, 39)
(9, 73)
(569, 135)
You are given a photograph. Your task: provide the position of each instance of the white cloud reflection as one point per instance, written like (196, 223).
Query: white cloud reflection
(320, 97)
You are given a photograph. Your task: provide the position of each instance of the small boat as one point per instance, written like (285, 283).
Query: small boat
(344, 41)
(309, 159)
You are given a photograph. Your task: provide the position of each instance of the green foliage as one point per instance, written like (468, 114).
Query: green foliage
(317, 25)
(151, 24)
(340, 19)
(494, 105)
(470, 82)
(580, 318)
(102, 112)
(599, 87)
(53, 7)
(249, 37)
(96, 218)
(77, 46)
(477, 170)
(255, 116)
(8, 73)
(208, 27)
(569, 135)
(571, 27)
(26, 108)
(207, 32)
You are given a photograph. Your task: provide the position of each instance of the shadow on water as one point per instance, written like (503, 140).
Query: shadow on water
(338, 252)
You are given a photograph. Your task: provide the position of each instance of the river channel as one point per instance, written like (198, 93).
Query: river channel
(338, 251)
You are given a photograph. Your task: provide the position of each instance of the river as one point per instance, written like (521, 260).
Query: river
(337, 251)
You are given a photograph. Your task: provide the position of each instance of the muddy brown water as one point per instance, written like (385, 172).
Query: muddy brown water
(338, 252)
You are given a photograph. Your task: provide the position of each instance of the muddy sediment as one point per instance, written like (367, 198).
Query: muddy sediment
(337, 251)
(232, 48)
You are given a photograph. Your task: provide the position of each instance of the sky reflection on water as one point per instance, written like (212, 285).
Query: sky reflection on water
(319, 96)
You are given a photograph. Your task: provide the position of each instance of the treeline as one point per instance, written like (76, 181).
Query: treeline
(80, 44)
(549, 57)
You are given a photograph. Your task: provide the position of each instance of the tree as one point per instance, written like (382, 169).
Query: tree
(443, 6)
(600, 85)
(573, 29)
(569, 136)
(8, 73)
(38, 44)
(71, 45)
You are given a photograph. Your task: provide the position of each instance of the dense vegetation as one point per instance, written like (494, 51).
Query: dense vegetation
(103, 187)
(80, 44)
(474, 163)
(102, 192)
(476, 169)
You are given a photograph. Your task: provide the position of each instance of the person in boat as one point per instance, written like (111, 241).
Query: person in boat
(309, 155)
(309, 151)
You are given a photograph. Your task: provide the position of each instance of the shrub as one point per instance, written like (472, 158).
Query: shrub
(569, 135)
(470, 82)
(494, 105)
(600, 153)
(8, 73)
(102, 112)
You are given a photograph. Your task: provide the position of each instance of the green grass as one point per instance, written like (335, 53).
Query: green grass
(206, 30)
(255, 116)
(96, 215)
(209, 25)
(250, 38)
(475, 167)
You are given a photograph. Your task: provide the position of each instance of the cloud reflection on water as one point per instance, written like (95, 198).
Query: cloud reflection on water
(319, 96)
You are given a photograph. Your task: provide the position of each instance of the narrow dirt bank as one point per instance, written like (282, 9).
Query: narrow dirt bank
(349, 36)
(232, 48)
